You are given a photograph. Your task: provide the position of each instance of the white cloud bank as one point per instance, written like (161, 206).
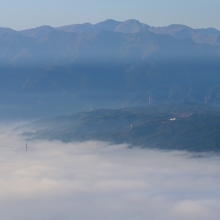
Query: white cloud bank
(93, 180)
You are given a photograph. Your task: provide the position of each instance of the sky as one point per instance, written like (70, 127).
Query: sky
(95, 180)
(24, 14)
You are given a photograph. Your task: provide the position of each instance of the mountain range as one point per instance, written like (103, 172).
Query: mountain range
(203, 35)
(51, 71)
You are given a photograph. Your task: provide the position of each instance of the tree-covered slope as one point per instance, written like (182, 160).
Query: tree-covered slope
(185, 126)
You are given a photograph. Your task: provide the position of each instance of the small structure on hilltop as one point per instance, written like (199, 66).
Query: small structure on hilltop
(172, 119)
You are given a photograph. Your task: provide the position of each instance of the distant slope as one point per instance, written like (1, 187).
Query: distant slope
(7, 30)
(129, 26)
(183, 32)
(203, 35)
(108, 25)
(132, 63)
(38, 32)
(185, 126)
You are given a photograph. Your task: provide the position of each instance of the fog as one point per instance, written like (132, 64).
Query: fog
(95, 180)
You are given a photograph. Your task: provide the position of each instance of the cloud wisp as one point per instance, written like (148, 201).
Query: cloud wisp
(96, 180)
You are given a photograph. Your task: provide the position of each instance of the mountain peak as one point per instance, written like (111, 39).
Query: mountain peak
(131, 26)
(37, 32)
(9, 30)
(108, 25)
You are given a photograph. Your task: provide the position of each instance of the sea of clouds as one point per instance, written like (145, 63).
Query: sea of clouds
(95, 181)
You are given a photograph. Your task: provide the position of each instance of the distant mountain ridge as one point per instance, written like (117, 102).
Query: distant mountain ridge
(203, 35)
(84, 66)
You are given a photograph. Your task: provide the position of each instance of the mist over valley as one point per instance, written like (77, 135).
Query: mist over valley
(96, 180)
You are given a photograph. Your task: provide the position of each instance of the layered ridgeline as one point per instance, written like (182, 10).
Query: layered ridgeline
(188, 126)
(203, 35)
(51, 71)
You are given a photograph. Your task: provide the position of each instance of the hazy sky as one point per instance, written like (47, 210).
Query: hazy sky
(22, 14)
(95, 180)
